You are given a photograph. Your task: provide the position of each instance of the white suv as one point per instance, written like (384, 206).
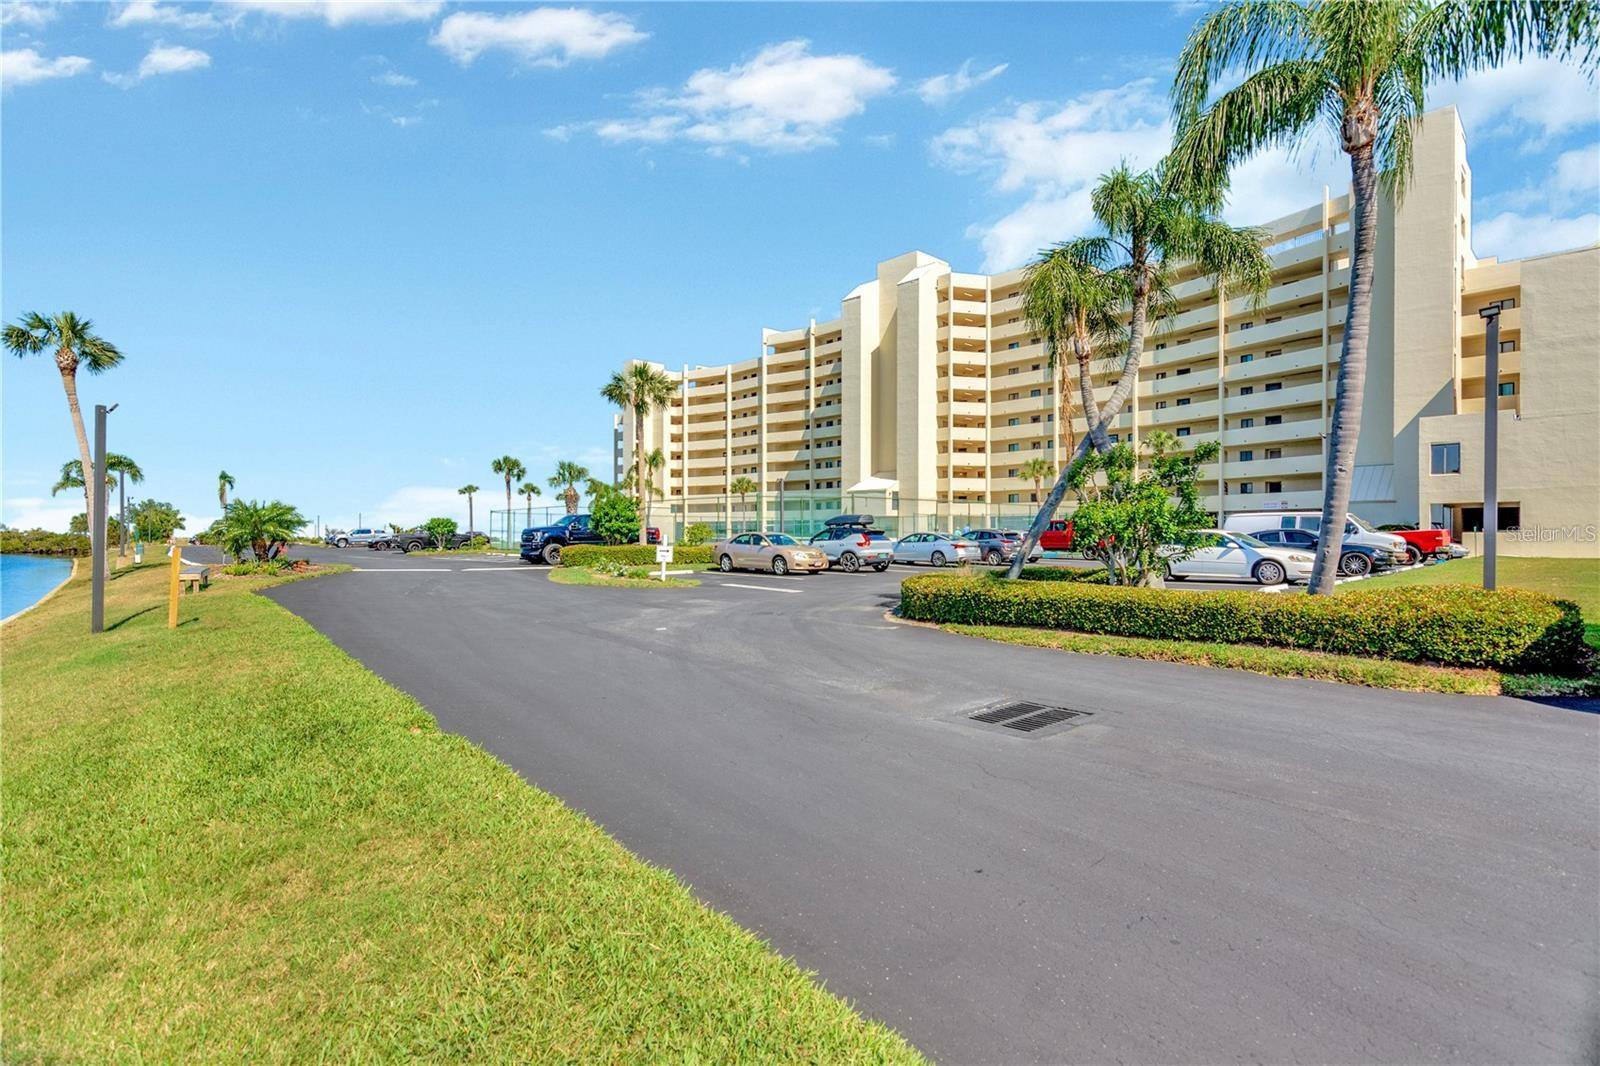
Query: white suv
(1387, 545)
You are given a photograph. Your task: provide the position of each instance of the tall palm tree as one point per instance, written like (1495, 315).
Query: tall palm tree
(743, 486)
(76, 345)
(528, 490)
(511, 469)
(639, 390)
(1149, 224)
(1036, 470)
(468, 491)
(1361, 70)
(566, 478)
(224, 486)
(126, 470)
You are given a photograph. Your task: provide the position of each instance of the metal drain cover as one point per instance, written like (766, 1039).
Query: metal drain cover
(1029, 719)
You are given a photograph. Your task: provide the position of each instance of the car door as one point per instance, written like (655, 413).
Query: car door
(1200, 563)
(912, 548)
(1232, 558)
(581, 532)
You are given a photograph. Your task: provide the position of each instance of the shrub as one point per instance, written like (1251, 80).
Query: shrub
(1455, 625)
(43, 542)
(252, 569)
(592, 555)
(697, 534)
(616, 518)
(440, 530)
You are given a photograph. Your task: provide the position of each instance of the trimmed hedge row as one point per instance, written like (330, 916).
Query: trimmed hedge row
(634, 554)
(1455, 625)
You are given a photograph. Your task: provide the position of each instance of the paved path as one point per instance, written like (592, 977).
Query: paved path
(1217, 867)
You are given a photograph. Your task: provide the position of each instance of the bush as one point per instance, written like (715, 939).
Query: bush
(1454, 625)
(43, 542)
(592, 556)
(615, 518)
(697, 534)
(253, 569)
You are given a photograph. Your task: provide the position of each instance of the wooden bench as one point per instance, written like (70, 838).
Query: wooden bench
(195, 579)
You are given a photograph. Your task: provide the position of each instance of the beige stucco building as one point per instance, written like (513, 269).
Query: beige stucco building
(927, 395)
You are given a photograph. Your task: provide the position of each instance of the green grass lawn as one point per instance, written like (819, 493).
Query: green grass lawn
(1577, 580)
(232, 842)
(578, 575)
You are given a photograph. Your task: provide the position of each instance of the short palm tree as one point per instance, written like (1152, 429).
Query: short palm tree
(468, 491)
(76, 345)
(511, 469)
(1036, 470)
(567, 477)
(1148, 225)
(638, 390)
(652, 464)
(263, 528)
(224, 486)
(742, 486)
(528, 490)
(1360, 69)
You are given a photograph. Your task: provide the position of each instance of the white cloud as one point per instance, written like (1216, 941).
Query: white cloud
(151, 13)
(41, 512)
(1054, 153)
(1512, 235)
(394, 80)
(545, 36)
(1538, 99)
(784, 99)
(344, 12)
(26, 13)
(942, 88)
(415, 504)
(24, 66)
(163, 59)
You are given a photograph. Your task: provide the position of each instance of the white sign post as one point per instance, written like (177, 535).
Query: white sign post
(663, 556)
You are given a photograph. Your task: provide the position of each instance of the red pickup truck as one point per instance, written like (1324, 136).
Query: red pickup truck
(1058, 536)
(1421, 543)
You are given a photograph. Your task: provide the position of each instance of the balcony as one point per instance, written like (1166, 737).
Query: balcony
(1023, 431)
(1298, 429)
(1285, 466)
(956, 333)
(1305, 500)
(960, 358)
(967, 433)
(1266, 367)
(1023, 405)
(962, 484)
(1510, 323)
(1201, 411)
(961, 409)
(1296, 396)
(1177, 384)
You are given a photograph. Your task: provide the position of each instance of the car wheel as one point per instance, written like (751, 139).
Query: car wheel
(341, 543)
(994, 558)
(780, 565)
(849, 562)
(1168, 575)
(1413, 555)
(1354, 564)
(936, 559)
(880, 567)
(551, 555)
(725, 564)
(1269, 572)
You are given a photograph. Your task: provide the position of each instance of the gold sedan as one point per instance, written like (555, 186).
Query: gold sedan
(775, 552)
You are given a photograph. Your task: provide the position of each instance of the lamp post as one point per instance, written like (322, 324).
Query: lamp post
(97, 523)
(1491, 438)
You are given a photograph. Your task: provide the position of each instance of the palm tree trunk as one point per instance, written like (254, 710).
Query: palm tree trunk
(122, 514)
(508, 512)
(571, 499)
(1091, 410)
(638, 469)
(1345, 428)
(470, 522)
(68, 365)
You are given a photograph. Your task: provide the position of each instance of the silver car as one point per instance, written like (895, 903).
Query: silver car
(996, 546)
(357, 536)
(936, 549)
(851, 548)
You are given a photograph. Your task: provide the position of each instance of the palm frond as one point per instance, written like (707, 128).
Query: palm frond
(1249, 34)
(1271, 107)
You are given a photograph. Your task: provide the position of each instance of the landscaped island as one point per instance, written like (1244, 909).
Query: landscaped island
(230, 841)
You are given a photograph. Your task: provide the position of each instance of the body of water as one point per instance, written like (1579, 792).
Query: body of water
(26, 579)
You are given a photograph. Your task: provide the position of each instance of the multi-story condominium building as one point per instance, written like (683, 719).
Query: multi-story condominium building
(923, 401)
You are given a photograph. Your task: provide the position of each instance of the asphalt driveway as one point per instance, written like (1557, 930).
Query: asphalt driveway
(1213, 866)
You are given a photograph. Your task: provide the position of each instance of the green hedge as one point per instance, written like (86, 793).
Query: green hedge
(634, 554)
(1455, 625)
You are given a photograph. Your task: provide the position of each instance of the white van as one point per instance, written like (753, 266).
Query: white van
(1355, 530)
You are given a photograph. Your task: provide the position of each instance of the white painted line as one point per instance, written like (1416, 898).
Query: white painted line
(484, 569)
(404, 570)
(760, 588)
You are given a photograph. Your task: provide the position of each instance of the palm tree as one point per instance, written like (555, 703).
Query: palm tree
(743, 486)
(1361, 70)
(653, 463)
(76, 345)
(566, 478)
(126, 470)
(1036, 470)
(224, 486)
(1148, 226)
(467, 491)
(262, 527)
(639, 389)
(528, 490)
(512, 470)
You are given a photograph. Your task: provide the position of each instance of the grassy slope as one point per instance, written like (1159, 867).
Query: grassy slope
(1577, 580)
(233, 842)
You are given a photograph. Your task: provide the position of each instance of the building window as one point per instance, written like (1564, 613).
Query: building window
(1247, 487)
(1446, 458)
(1270, 321)
(1013, 447)
(1274, 487)
(1246, 358)
(1274, 386)
(1161, 347)
(1161, 375)
(1009, 347)
(1246, 390)
(1183, 431)
(1161, 405)
(1033, 419)
(1246, 456)
(1184, 371)
(1246, 423)
(1247, 325)
(1183, 401)
(1012, 472)
(1035, 392)
(1112, 437)
(1274, 420)
(1274, 453)
(1508, 346)
(1035, 366)
(1013, 421)
(1508, 388)
(1013, 498)
(1013, 395)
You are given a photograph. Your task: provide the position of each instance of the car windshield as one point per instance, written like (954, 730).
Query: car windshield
(782, 539)
(1362, 524)
(1248, 540)
(567, 520)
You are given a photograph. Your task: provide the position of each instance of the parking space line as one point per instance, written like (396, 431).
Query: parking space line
(403, 570)
(484, 569)
(762, 588)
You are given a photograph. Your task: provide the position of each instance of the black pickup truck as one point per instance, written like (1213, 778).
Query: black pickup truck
(417, 539)
(543, 544)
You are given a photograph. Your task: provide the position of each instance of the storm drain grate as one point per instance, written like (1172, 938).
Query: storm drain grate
(1026, 717)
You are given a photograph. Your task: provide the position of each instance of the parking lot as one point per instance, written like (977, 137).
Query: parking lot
(1208, 865)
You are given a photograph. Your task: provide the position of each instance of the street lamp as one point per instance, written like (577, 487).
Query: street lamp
(1491, 438)
(97, 523)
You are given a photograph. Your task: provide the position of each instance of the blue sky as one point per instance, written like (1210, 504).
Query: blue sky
(353, 251)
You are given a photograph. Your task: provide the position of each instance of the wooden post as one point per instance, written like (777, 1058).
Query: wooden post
(172, 583)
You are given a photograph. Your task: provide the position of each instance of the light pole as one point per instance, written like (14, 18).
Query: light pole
(97, 523)
(1491, 438)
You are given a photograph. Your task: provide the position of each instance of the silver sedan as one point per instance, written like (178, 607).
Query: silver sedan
(936, 549)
